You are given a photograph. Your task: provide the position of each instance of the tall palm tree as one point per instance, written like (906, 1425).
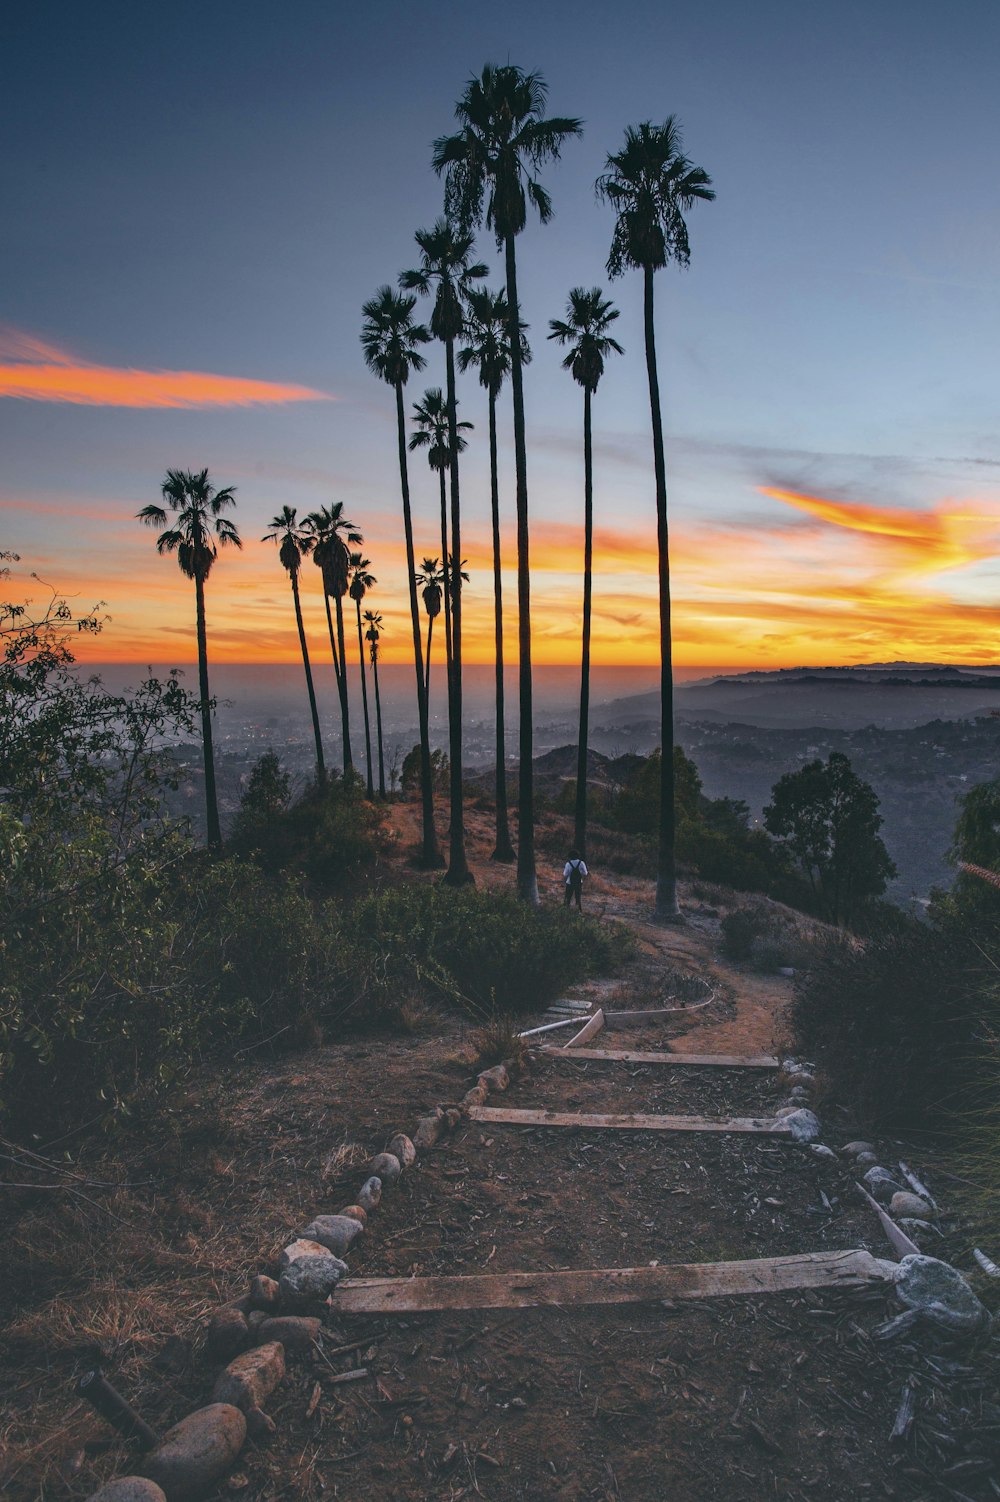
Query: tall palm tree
(361, 582)
(585, 330)
(295, 543)
(373, 636)
(430, 431)
(332, 556)
(390, 341)
(490, 164)
(199, 530)
(431, 581)
(447, 271)
(651, 185)
(487, 347)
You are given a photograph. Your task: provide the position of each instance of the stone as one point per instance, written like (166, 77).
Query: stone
(799, 1093)
(130, 1489)
(865, 1160)
(784, 1111)
(820, 1150)
(496, 1078)
(296, 1332)
(911, 1205)
(803, 1125)
(387, 1167)
(881, 1185)
(255, 1319)
(264, 1293)
(402, 1148)
(370, 1194)
(936, 1294)
(356, 1213)
(228, 1334)
(336, 1232)
(309, 1273)
(250, 1380)
(196, 1453)
(453, 1117)
(855, 1149)
(477, 1096)
(429, 1129)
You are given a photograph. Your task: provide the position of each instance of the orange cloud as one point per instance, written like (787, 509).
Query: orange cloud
(34, 371)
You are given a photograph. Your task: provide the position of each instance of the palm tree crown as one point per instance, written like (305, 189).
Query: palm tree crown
(430, 419)
(390, 338)
(429, 581)
(199, 521)
(361, 580)
(588, 318)
(444, 266)
(373, 620)
(332, 532)
(295, 541)
(487, 335)
(650, 183)
(503, 140)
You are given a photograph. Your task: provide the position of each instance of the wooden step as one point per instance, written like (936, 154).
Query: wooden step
(628, 1122)
(612, 1285)
(632, 1056)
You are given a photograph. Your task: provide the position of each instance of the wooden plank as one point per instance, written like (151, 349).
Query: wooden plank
(589, 1030)
(622, 1121)
(634, 1056)
(612, 1285)
(655, 1014)
(569, 1006)
(548, 1027)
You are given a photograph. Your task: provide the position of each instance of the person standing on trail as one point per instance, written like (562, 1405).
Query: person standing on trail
(574, 871)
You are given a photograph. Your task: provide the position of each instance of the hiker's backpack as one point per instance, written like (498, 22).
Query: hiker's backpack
(575, 877)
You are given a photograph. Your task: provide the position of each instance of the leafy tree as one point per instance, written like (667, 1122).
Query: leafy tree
(361, 583)
(490, 165)
(373, 636)
(585, 329)
(637, 805)
(651, 185)
(268, 788)
(974, 899)
(199, 529)
(332, 533)
(411, 775)
(295, 543)
(829, 819)
(446, 269)
(430, 424)
(487, 347)
(390, 341)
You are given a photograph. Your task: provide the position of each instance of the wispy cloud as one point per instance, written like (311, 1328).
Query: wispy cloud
(31, 370)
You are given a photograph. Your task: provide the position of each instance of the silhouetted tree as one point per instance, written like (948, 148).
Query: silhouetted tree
(199, 529)
(487, 347)
(588, 318)
(430, 424)
(490, 164)
(295, 543)
(651, 184)
(332, 556)
(373, 636)
(390, 341)
(432, 582)
(361, 583)
(446, 270)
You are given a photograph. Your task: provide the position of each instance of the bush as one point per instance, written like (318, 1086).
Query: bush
(331, 834)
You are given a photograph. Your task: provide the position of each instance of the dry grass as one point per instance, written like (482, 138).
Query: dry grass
(499, 1040)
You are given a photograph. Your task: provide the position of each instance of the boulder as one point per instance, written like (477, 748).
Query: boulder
(935, 1294)
(250, 1380)
(402, 1148)
(881, 1185)
(865, 1160)
(429, 1129)
(309, 1274)
(784, 1111)
(228, 1334)
(803, 1125)
(356, 1213)
(264, 1293)
(295, 1332)
(370, 1194)
(910, 1205)
(387, 1167)
(336, 1232)
(196, 1453)
(855, 1149)
(255, 1319)
(130, 1489)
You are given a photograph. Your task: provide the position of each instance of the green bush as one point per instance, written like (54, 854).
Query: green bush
(331, 835)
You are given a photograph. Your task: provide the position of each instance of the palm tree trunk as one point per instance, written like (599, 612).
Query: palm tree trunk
(527, 880)
(338, 675)
(580, 830)
(445, 550)
(427, 675)
(345, 708)
(504, 850)
(458, 873)
(431, 855)
(320, 763)
(378, 723)
(666, 909)
(211, 800)
(364, 701)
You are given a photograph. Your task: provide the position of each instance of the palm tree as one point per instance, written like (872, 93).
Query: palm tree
(487, 348)
(430, 421)
(585, 330)
(361, 582)
(431, 582)
(372, 636)
(390, 340)
(445, 269)
(651, 184)
(294, 544)
(198, 526)
(503, 140)
(332, 556)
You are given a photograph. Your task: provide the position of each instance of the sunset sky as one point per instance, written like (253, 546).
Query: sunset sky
(198, 198)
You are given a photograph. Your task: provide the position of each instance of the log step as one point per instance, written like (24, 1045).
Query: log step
(629, 1122)
(632, 1056)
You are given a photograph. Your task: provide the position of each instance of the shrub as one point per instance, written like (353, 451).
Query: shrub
(331, 834)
